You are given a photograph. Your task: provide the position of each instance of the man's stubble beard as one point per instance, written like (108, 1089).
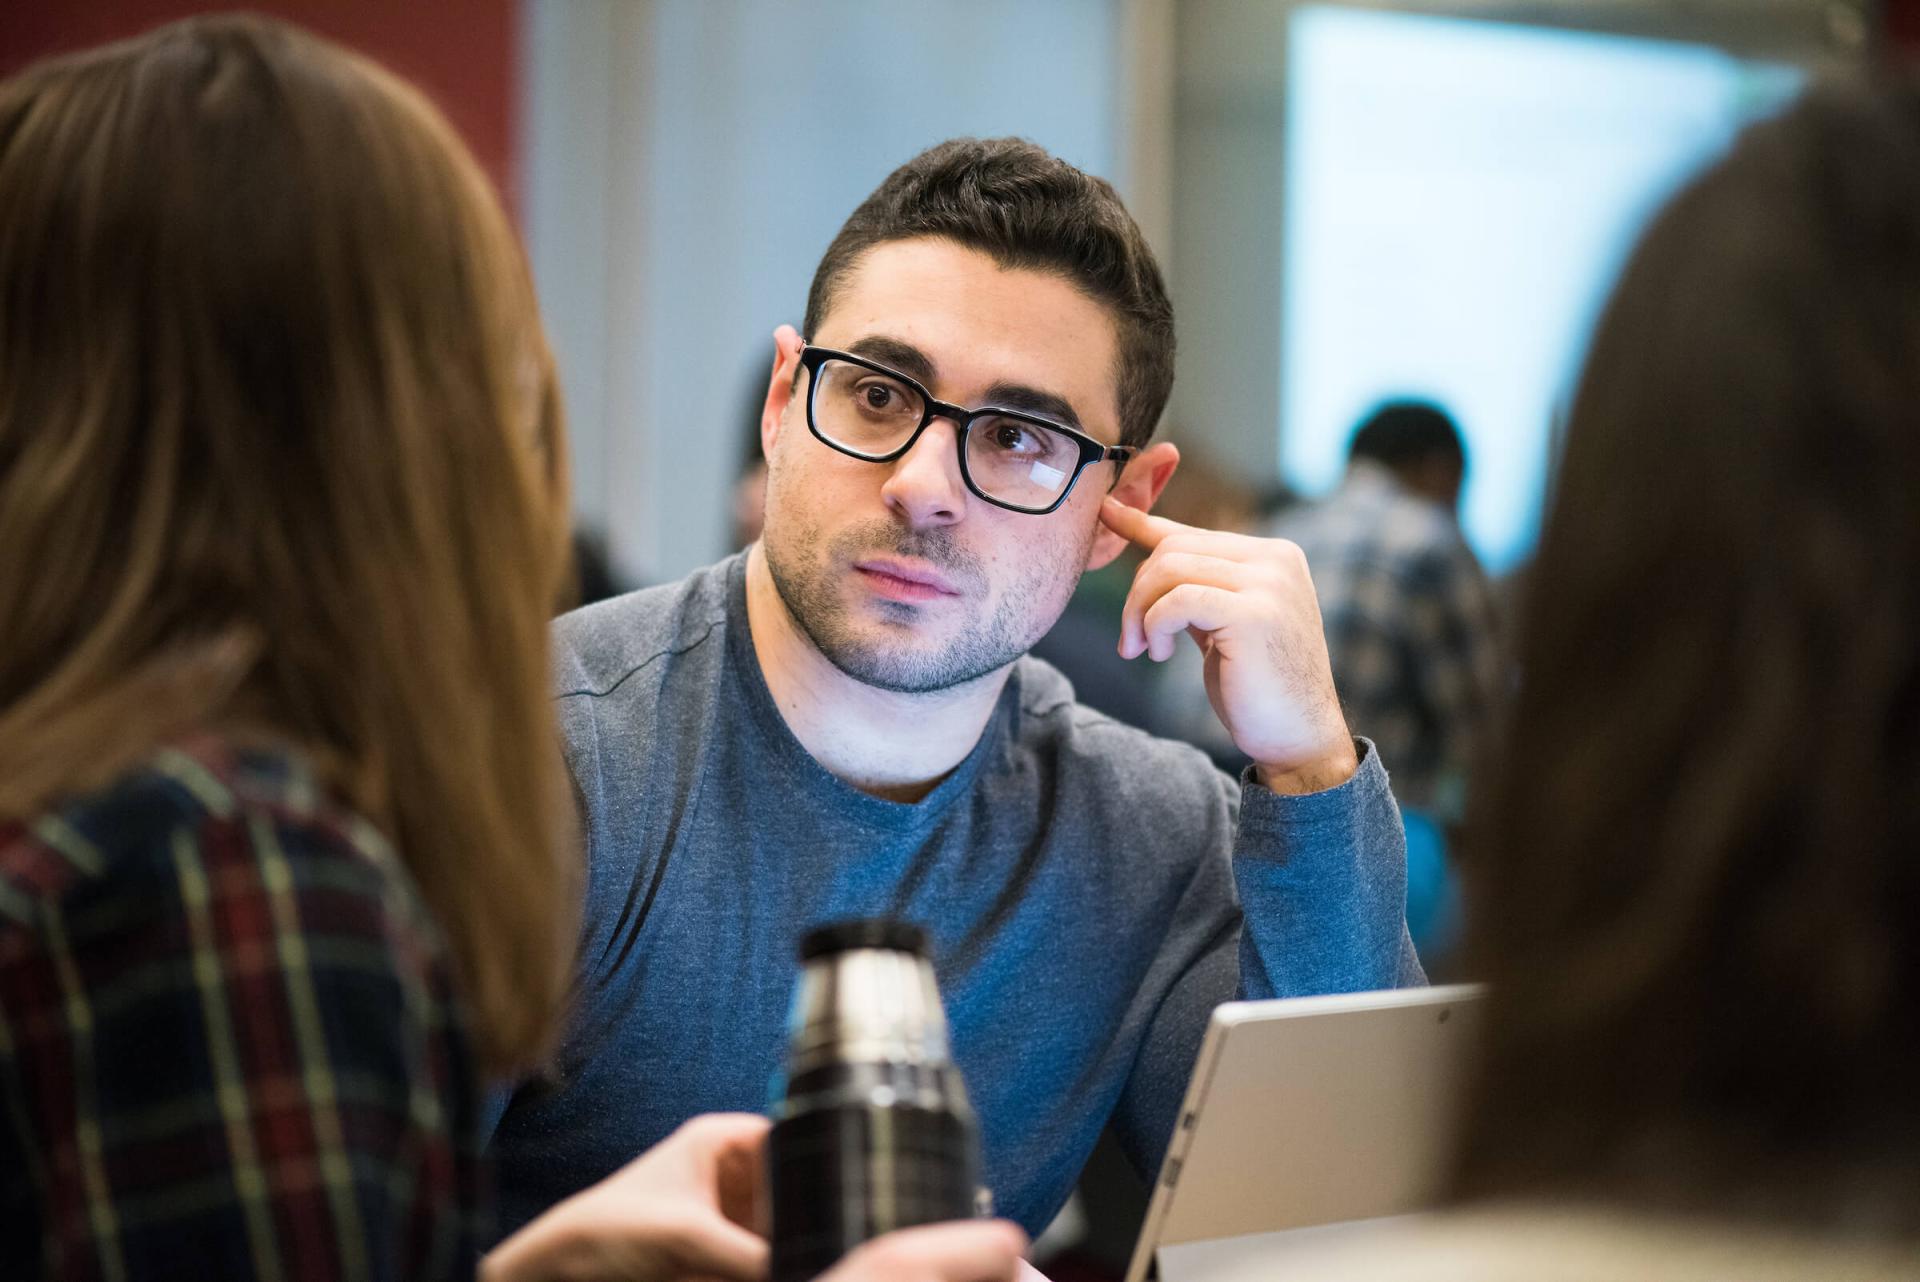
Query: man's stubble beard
(813, 594)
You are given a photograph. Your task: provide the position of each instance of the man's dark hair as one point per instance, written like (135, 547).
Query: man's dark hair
(1402, 433)
(1693, 873)
(1026, 209)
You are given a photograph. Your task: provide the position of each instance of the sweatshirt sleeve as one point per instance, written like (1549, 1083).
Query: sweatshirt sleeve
(1323, 888)
(1316, 904)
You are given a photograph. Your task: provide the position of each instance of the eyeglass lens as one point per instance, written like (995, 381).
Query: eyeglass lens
(1013, 460)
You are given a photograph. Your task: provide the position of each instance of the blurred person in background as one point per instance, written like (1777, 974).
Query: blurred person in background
(747, 497)
(591, 577)
(285, 869)
(842, 720)
(1412, 629)
(1409, 617)
(1694, 872)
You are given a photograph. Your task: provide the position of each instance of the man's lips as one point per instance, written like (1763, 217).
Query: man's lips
(904, 581)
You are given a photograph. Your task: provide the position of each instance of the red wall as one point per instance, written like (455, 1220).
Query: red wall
(465, 55)
(1903, 25)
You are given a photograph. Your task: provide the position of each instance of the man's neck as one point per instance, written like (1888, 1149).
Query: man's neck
(883, 742)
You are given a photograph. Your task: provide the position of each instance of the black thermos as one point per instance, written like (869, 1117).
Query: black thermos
(873, 1131)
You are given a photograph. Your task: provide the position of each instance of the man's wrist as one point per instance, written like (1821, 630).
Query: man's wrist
(1329, 771)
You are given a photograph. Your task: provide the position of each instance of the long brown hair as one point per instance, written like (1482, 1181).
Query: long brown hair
(281, 453)
(1694, 876)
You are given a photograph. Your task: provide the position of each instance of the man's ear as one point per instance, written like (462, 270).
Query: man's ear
(780, 387)
(1146, 474)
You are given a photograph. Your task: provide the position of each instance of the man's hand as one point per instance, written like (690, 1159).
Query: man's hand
(1250, 605)
(679, 1210)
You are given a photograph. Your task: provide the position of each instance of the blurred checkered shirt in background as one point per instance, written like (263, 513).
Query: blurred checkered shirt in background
(1411, 628)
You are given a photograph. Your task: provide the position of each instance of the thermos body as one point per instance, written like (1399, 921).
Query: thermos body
(873, 1131)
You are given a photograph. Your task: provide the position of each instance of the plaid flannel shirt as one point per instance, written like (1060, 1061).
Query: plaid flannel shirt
(228, 1044)
(1410, 626)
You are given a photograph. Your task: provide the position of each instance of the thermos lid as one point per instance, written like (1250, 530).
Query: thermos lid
(872, 932)
(867, 994)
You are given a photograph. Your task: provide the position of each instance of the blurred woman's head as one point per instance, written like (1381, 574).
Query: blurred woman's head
(1696, 873)
(280, 454)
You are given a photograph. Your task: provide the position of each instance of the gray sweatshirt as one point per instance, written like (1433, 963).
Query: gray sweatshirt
(1091, 893)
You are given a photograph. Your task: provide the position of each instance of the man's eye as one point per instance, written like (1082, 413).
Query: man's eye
(880, 398)
(1016, 438)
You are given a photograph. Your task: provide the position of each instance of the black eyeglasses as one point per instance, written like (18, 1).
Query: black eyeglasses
(1010, 459)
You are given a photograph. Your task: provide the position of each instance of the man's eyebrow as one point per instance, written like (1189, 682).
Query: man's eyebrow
(1031, 400)
(897, 354)
(916, 364)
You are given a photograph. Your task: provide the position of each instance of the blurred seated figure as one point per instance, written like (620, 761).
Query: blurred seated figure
(747, 498)
(1409, 618)
(1412, 629)
(593, 578)
(285, 869)
(1694, 865)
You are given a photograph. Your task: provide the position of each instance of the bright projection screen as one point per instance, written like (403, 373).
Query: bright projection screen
(1460, 195)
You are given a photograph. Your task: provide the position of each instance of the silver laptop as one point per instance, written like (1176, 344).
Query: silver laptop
(1304, 1116)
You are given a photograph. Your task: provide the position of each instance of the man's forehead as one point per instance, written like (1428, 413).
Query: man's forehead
(957, 320)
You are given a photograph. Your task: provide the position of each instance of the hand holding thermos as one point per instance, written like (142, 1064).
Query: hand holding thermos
(871, 1167)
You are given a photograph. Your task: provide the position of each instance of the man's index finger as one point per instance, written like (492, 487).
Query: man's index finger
(1135, 526)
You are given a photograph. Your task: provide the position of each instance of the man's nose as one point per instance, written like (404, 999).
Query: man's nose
(925, 487)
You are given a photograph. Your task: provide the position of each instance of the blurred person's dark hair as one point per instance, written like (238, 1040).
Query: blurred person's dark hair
(1273, 499)
(592, 578)
(1031, 211)
(281, 458)
(1402, 433)
(1419, 443)
(747, 495)
(1694, 880)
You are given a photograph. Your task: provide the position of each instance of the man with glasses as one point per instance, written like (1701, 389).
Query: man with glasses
(841, 721)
